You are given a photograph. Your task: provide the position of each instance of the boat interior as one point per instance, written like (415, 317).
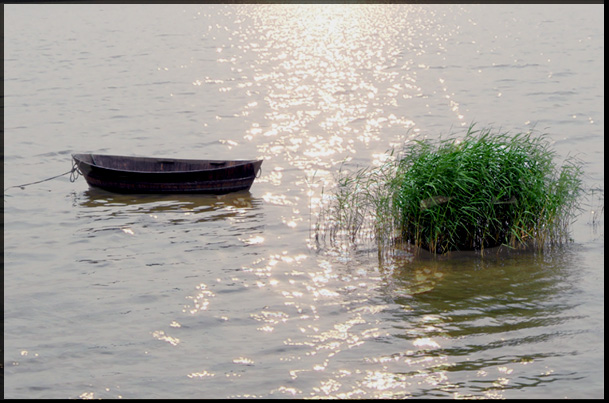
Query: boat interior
(148, 164)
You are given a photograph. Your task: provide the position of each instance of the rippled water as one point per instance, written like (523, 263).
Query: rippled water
(136, 296)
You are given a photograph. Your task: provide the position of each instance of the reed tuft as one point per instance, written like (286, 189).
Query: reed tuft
(483, 190)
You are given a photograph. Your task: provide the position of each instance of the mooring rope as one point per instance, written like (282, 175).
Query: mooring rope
(74, 173)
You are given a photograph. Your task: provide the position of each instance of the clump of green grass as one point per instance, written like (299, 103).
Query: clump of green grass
(483, 190)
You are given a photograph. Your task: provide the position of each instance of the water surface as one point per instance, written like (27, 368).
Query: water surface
(137, 296)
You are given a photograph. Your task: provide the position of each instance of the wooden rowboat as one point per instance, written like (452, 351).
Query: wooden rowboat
(123, 174)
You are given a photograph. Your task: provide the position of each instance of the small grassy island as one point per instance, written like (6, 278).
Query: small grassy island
(482, 190)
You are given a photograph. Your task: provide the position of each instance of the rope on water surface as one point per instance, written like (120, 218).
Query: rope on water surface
(74, 173)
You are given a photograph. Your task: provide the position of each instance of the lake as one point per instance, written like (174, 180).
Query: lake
(146, 296)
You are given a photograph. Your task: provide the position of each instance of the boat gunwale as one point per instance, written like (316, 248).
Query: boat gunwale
(186, 160)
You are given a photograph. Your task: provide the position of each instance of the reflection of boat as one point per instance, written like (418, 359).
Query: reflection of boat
(176, 208)
(123, 174)
(155, 203)
(200, 216)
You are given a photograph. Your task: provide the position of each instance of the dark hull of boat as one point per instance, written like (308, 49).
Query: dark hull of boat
(123, 174)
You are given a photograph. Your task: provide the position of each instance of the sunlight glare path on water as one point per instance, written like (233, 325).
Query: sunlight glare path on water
(229, 296)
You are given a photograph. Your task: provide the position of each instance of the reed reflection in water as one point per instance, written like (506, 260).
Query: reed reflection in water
(468, 326)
